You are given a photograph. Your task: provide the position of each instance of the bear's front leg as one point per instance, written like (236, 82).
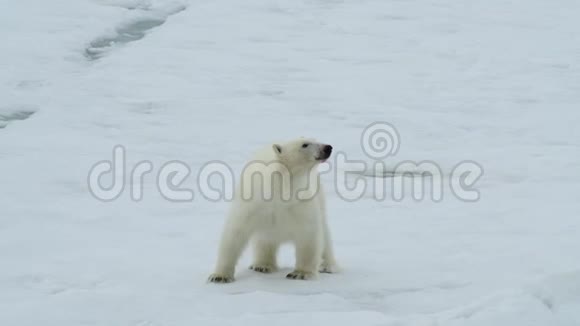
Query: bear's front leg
(308, 256)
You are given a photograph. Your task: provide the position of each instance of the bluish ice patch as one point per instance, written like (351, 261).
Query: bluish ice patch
(128, 32)
(7, 117)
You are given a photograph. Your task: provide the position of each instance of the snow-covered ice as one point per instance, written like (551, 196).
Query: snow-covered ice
(495, 82)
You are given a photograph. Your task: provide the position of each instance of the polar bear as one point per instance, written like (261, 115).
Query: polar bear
(287, 206)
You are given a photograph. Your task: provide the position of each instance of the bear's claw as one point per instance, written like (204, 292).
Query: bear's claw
(216, 278)
(262, 269)
(298, 275)
(328, 268)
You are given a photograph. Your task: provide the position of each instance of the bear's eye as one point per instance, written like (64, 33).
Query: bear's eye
(304, 145)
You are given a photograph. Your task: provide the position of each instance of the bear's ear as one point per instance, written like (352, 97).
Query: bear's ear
(277, 149)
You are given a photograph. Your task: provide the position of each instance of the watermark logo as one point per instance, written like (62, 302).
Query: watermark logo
(353, 179)
(380, 140)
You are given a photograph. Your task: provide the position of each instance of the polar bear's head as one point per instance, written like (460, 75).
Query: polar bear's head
(302, 153)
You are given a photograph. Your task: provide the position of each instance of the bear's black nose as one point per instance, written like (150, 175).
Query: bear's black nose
(327, 150)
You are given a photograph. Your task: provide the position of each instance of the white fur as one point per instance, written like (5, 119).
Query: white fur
(291, 210)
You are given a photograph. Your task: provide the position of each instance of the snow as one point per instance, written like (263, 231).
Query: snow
(495, 82)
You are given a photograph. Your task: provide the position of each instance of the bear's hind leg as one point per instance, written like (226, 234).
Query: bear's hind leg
(329, 264)
(233, 242)
(264, 256)
(308, 254)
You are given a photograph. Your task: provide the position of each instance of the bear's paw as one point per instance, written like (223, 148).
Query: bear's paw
(267, 269)
(300, 275)
(219, 278)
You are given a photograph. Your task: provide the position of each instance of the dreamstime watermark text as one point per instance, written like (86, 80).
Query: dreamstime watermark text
(352, 179)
